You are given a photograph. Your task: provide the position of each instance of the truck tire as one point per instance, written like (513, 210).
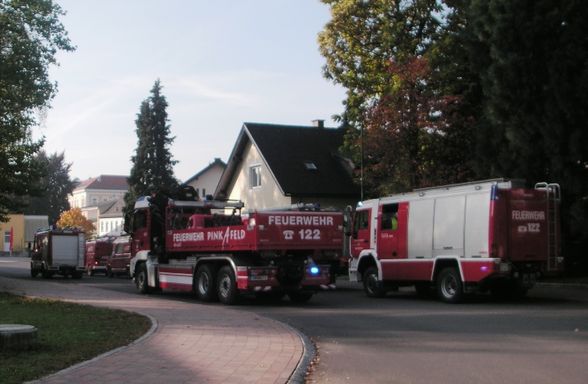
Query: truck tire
(449, 285)
(227, 286)
(205, 283)
(76, 274)
(45, 273)
(371, 284)
(141, 279)
(299, 297)
(34, 271)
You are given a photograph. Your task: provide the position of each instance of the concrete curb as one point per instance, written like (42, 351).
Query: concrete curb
(148, 334)
(309, 351)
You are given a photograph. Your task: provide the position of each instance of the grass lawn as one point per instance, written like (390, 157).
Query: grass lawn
(68, 334)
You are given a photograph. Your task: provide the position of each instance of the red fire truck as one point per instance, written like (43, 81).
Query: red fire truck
(209, 248)
(489, 235)
(58, 251)
(97, 253)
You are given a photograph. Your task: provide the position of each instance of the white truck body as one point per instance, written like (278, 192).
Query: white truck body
(58, 252)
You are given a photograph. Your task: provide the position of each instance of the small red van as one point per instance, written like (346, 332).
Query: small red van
(118, 262)
(97, 253)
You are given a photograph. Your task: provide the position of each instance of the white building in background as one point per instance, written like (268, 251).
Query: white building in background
(101, 200)
(206, 181)
(97, 190)
(110, 218)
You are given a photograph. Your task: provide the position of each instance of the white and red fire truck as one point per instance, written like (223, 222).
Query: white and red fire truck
(58, 251)
(182, 244)
(489, 235)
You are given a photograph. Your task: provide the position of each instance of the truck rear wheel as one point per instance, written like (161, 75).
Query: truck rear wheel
(45, 273)
(141, 278)
(227, 286)
(450, 286)
(204, 283)
(371, 284)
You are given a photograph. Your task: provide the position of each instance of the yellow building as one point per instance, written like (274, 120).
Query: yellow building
(16, 235)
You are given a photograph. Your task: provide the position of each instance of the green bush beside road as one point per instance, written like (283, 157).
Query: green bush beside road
(67, 334)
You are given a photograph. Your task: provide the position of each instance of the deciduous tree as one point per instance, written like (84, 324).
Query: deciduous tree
(30, 36)
(74, 218)
(55, 186)
(364, 37)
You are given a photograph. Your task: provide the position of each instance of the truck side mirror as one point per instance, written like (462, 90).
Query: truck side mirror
(128, 223)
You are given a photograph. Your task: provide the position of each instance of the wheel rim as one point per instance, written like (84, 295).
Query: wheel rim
(372, 283)
(141, 280)
(224, 286)
(203, 284)
(449, 286)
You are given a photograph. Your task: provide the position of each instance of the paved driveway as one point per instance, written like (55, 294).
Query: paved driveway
(191, 342)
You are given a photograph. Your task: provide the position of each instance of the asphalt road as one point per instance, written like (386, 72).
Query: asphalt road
(405, 339)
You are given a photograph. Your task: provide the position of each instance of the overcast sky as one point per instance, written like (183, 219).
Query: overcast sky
(221, 63)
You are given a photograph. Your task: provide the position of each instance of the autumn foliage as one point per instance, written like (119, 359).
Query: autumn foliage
(75, 219)
(408, 139)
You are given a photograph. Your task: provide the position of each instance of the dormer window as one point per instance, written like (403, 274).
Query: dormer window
(310, 166)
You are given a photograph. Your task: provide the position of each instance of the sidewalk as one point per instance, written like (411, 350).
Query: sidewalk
(191, 342)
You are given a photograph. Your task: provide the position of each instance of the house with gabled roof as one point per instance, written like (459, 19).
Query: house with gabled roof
(97, 190)
(110, 218)
(275, 166)
(206, 181)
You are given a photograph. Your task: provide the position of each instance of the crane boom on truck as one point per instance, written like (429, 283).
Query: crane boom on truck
(209, 248)
(488, 235)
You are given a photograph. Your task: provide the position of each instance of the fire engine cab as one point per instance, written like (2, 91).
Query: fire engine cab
(489, 235)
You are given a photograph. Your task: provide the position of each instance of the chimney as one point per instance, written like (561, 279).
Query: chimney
(318, 123)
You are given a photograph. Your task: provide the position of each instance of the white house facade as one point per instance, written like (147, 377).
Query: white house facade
(206, 181)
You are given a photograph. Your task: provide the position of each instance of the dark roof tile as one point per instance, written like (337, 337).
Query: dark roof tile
(113, 182)
(290, 150)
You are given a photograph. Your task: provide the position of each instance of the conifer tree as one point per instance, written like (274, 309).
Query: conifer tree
(152, 163)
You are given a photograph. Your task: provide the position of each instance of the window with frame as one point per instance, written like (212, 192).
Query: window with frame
(139, 220)
(255, 176)
(362, 220)
(389, 217)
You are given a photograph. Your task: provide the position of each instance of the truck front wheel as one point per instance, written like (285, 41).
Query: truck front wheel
(204, 283)
(227, 286)
(450, 286)
(45, 273)
(371, 284)
(141, 278)
(34, 271)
